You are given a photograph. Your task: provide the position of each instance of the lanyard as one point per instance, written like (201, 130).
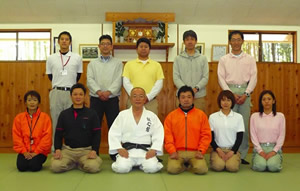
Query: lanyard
(31, 130)
(62, 62)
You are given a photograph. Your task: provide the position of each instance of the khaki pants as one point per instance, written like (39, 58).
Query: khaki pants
(199, 103)
(197, 166)
(151, 105)
(73, 157)
(231, 165)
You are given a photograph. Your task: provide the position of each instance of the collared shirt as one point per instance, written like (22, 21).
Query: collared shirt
(225, 127)
(105, 58)
(148, 130)
(237, 70)
(143, 75)
(105, 76)
(267, 129)
(54, 66)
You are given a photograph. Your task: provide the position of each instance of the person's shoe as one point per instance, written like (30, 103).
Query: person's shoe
(243, 161)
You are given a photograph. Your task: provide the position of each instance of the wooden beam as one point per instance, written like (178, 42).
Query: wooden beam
(119, 16)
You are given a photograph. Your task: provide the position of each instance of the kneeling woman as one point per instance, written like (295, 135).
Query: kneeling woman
(227, 129)
(267, 128)
(32, 135)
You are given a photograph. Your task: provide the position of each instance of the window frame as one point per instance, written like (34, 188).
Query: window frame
(261, 32)
(17, 31)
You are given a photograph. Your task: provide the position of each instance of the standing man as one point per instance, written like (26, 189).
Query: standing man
(237, 72)
(136, 136)
(191, 68)
(104, 80)
(187, 135)
(79, 127)
(64, 69)
(145, 73)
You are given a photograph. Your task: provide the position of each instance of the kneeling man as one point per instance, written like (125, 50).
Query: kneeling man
(136, 136)
(187, 135)
(80, 128)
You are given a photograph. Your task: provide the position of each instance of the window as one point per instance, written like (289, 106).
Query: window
(24, 45)
(270, 46)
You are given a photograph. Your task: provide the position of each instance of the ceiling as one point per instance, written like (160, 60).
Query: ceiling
(215, 12)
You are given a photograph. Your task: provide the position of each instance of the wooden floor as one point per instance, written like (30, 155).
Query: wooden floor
(244, 180)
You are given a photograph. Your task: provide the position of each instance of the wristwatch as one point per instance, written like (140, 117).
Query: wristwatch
(197, 88)
(247, 94)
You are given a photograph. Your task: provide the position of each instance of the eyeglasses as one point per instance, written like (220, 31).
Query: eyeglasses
(236, 40)
(105, 44)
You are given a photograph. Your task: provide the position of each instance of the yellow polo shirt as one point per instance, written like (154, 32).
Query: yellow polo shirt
(143, 75)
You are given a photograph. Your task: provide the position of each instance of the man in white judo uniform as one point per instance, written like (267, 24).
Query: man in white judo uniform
(136, 136)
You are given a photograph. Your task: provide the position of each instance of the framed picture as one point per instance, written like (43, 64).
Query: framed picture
(89, 51)
(217, 51)
(200, 46)
(56, 46)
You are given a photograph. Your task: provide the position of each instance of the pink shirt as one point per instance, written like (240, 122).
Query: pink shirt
(267, 129)
(237, 70)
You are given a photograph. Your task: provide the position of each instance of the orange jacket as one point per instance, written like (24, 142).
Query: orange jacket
(41, 133)
(187, 132)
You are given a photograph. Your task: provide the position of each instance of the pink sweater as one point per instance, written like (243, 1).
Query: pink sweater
(267, 129)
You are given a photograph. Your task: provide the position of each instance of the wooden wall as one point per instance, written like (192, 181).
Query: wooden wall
(16, 78)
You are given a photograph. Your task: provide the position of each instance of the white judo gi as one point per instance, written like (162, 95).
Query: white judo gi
(149, 131)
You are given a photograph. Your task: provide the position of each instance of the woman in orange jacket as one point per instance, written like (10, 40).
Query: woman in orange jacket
(32, 134)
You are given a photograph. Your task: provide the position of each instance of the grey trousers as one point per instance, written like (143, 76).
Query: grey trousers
(59, 101)
(244, 110)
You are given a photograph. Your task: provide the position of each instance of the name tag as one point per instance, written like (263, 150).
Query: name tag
(64, 72)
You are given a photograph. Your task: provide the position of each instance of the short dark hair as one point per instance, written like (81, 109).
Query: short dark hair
(145, 40)
(229, 95)
(235, 32)
(78, 85)
(32, 93)
(260, 105)
(105, 36)
(65, 33)
(190, 33)
(185, 89)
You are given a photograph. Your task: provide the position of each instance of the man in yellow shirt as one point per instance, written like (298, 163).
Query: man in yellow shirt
(145, 73)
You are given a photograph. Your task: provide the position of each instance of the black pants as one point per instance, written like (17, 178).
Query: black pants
(34, 164)
(109, 107)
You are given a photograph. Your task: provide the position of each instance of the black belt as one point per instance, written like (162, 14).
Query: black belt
(62, 88)
(144, 147)
(129, 146)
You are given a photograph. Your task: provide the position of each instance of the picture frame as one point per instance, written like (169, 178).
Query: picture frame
(89, 51)
(56, 46)
(217, 51)
(200, 46)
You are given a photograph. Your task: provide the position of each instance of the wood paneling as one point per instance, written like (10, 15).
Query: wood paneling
(16, 78)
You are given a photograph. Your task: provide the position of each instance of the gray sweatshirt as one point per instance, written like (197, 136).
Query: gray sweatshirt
(192, 71)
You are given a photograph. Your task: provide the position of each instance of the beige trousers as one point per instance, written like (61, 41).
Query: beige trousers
(197, 166)
(76, 157)
(231, 165)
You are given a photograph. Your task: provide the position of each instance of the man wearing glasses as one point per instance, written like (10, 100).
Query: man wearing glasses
(104, 81)
(237, 72)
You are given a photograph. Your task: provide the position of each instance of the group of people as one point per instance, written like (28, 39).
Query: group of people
(136, 136)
